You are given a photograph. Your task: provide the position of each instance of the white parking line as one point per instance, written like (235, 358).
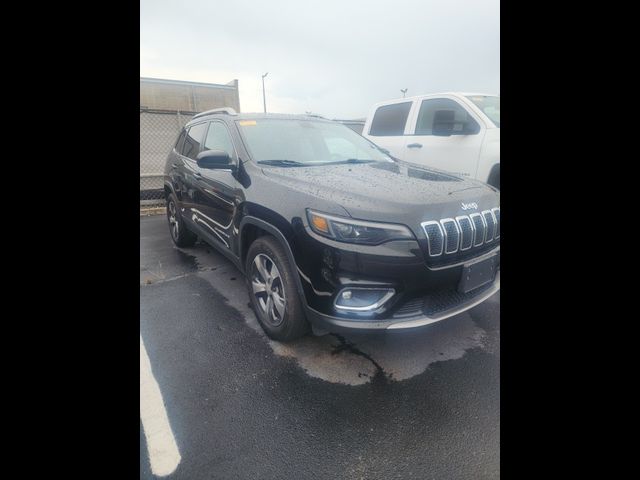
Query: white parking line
(163, 451)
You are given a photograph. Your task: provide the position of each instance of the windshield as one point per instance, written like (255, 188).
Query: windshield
(490, 105)
(293, 142)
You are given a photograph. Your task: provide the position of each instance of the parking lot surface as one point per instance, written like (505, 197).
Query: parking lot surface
(405, 405)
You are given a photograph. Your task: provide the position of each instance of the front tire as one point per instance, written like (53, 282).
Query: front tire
(272, 291)
(180, 234)
(494, 179)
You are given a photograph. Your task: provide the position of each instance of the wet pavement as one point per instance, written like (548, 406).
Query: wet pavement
(418, 405)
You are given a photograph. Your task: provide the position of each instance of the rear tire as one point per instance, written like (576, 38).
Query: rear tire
(180, 234)
(272, 291)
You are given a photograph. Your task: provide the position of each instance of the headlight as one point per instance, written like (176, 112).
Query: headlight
(356, 231)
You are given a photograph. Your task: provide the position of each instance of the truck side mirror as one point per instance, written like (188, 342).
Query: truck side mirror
(443, 122)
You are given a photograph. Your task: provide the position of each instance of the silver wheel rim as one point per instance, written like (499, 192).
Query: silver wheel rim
(174, 226)
(268, 289)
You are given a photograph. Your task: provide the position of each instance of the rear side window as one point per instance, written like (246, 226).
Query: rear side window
(180, 141)
(218, 138)
(390, 120)
(193, 140)
(463, 123)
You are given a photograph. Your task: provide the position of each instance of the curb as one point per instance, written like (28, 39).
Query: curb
(146, 212)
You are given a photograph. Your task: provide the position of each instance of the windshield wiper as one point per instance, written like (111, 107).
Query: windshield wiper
(282, 163)
(295, 163)
(353, 160)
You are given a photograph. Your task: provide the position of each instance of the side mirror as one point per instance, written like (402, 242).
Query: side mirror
(214, 160)
(445, 124)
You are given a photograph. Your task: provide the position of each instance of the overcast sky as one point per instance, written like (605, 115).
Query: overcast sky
(331, 57)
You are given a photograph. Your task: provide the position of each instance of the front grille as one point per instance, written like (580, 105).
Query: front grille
(471, 234)
(491, 225)
(480, 228)
(451, 235)
(435, 238)
(466, 232)
(437, 302)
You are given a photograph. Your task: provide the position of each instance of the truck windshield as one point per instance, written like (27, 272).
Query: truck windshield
(293, 142)
(490, 105)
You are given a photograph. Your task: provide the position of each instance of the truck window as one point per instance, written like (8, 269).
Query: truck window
(465, 124)
(490, 105)
(390, 120)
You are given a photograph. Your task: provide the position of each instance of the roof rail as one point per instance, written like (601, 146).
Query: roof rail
(225, 110)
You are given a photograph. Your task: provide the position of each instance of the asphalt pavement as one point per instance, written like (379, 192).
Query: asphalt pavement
(239, 406)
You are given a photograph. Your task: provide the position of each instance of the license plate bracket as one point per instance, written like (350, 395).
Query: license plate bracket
(475, 275)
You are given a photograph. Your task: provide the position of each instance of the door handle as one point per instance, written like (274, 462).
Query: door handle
(174, 165)
(197, 175)
(414, 145)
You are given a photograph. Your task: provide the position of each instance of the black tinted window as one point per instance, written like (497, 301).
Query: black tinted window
(193, 140)
(218, 138)
(390, 120)
(180, 141)
(462, 122)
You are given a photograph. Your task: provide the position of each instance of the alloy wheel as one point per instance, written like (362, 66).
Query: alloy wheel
(174, 226)
(268, 288)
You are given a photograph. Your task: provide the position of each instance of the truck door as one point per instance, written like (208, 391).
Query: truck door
(387, 127)
(445, 135)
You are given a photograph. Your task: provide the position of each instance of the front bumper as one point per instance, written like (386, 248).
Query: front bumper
(424, 293)
(414, 313)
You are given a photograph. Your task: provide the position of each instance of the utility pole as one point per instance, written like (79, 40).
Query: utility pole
(404, 91)
(264, 98)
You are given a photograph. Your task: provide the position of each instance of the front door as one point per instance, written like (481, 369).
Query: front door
(215, 203)
(457, 152)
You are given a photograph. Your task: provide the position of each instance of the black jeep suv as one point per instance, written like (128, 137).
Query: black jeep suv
(329, 230)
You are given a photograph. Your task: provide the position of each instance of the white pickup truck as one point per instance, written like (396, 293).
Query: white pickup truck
(456, 132)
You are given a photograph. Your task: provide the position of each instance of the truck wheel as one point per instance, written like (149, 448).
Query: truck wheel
(494, 179)
(180, 234)
(272, 291)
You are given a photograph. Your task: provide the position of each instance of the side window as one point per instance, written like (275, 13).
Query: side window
(180, 140)
(218, 139)
(390, 120)
(193, 140)
(443, 113)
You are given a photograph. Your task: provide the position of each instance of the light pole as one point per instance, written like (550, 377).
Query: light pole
(404, 91)
(264, 99)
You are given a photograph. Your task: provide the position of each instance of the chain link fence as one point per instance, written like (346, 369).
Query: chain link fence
(159, 130)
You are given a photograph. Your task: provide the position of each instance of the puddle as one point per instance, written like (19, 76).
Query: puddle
(363, 358)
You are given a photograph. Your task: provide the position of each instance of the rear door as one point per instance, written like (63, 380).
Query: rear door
(457, 152)
(386, 127)
(189, 170)
(174, 169)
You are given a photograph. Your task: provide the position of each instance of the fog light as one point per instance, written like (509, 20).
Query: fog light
(362, 299)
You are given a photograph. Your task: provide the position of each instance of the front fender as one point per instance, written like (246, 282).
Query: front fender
(275, 232)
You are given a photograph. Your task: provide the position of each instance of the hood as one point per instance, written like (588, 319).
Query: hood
(395, 192)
